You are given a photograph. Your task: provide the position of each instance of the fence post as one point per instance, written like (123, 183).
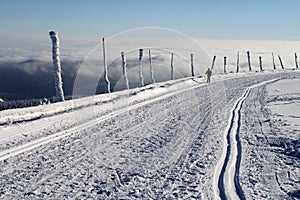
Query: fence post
(274, 65)
(57, 68)
(151, 68)
(192, 64)
(260, 64)
(225, 65)
(172, 67)
(140, 68)
(238, 62)
(124, 69)
(281, 63)
(213, 63)
(296, 62)
(249, 62)
(106, 80)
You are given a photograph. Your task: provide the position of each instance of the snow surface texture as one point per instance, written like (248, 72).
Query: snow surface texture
(271, 139)
(162, 141)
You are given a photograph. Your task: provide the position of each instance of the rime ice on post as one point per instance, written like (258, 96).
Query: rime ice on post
(106, 80)
(140, 67)
(57, 68)
(151, 68)
(124, 69)
(172, 67)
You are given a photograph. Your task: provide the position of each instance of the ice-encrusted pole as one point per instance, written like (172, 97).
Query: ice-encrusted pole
(296, 62)
(172, 66)
(151, 67)
(124, 69)
(249, 60)
(140, 67)
(213, 63)
(225, 63)
(105, 75)
(238, 62)
(260, 64)
(57, 68)
(192, 64)
(281, 63)
(274, 65)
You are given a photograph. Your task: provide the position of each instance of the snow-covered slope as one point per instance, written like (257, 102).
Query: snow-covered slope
(161, 141)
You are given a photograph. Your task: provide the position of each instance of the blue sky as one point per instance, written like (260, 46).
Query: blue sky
(214, 19)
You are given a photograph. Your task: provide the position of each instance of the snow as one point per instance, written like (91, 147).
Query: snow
(165, 140)
(160, 141)
(271, 142)
(284, 100)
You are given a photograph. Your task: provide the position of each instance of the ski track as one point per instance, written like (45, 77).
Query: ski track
(162, 148)
(226, 176)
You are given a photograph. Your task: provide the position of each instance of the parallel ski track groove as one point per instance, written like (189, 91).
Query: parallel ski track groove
(235, 114)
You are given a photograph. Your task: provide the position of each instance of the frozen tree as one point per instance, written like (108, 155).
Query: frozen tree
(57, 68)
(172, 66)
(106, 80)
(124, 69)
(140, 68)
(151, 68)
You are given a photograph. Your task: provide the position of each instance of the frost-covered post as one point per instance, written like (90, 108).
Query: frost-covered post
(151, 67)
(225, 65)
(105, 75)
(124, 69)
(274, 65)
(296, 62)
(57, 68)
(192, 64)
(281, 63)
(260, 64)
(249, 61)
(140, 67)
(172, 66)
(238, 62)
(213, 63)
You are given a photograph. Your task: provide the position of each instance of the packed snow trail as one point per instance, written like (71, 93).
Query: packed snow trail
(41, 141)
(162, 149)
(226, 176)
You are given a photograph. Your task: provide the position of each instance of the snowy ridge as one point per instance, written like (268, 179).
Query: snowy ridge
(33, 144)
(32, 113)
(227, 168)
(162, 141)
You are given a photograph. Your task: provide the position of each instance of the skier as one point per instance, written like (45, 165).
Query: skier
(208, 73)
